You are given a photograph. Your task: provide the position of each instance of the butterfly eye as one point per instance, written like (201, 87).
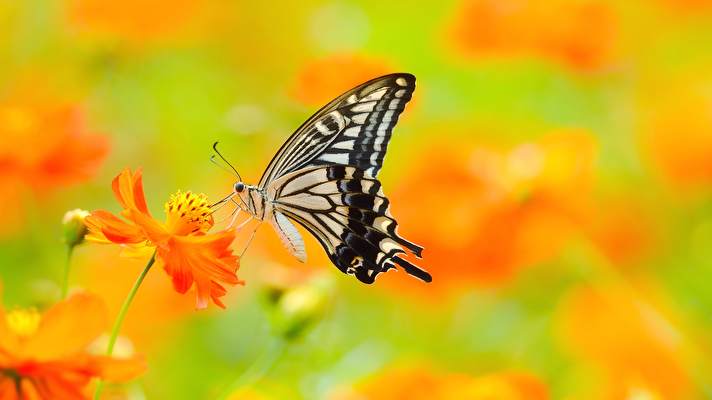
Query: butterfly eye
(239, 187)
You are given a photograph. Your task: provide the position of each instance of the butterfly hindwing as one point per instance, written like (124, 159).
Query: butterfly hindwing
(353, 129)
(346, 210)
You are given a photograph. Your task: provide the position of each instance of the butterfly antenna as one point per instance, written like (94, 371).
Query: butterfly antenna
(222, 167)
(215, 148)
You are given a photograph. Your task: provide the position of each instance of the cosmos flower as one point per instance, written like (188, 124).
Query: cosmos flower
(134, 20)
(321, 80)
(624, 229)
(675, 135)
(45, 356)
(45, 146)
(184, 248)
(504, 210)
(579, 34)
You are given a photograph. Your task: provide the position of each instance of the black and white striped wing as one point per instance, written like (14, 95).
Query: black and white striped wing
(346, 210)
(354, 129)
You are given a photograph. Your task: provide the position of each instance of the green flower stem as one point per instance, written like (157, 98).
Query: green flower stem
(258, 369)
(67, 267)
(122, 315)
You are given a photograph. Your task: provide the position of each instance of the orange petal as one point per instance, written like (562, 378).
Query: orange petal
(68, 327)
(104, 226)
(210, 256)
(204, 259)
(139, 198)
(54, 386)
(29, 391)
(128, 189)
(202, 298)
(118, 185)
(153, 230)
(216, 292)
(7, 389)
(178, 269)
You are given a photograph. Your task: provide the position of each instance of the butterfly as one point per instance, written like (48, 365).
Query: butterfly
(324, 178)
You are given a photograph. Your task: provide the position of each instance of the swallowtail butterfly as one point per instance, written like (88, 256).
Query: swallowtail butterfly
(324, 178)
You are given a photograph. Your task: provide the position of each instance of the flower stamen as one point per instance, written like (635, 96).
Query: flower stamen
(188, 212)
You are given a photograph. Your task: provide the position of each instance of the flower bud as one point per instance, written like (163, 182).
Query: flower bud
(296, 309)
(74, 226)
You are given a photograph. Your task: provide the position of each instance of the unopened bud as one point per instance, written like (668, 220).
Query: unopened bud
(74, 226)
(297, 308)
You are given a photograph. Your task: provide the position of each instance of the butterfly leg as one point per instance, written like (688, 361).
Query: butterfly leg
(234, 214)
(249, 241)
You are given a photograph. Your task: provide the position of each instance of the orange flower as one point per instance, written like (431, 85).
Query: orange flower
(135, 20)
(420, 383)
(322, 80)
(624, 229)
(45, 357)
(503, 210)
(579, 34)
(45, 145)
(676, 134)
(633, 344)
(184, 249)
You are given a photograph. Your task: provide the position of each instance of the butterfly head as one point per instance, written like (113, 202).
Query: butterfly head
(249, 198)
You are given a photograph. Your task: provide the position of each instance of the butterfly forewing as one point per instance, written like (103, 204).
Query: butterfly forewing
(353, 129)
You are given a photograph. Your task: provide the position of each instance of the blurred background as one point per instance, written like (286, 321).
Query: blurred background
(555, 162)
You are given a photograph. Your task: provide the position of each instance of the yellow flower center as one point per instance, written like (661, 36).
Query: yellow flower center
(23, 322)
(188, 213)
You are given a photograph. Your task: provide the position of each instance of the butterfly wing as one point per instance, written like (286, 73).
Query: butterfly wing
(353, 129)
(324, 178)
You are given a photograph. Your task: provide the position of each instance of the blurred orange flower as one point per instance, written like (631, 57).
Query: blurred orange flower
(420, 383)
(676, 136)
(579, 34)
(623, 229)
(184, 248)
(503, 210)
(636, 348)
(321, 80)
(45, 145)
(135, 20)
(45, 356)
